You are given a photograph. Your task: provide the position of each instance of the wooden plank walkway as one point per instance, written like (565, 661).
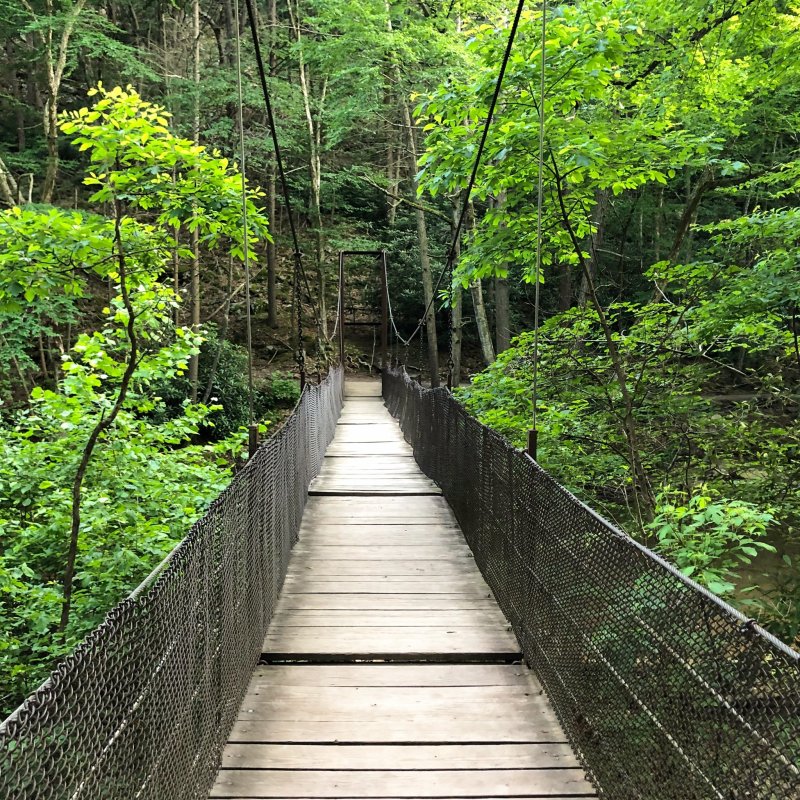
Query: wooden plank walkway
(389, 670)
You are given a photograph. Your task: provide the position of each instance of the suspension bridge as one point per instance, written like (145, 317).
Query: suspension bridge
(390, 601)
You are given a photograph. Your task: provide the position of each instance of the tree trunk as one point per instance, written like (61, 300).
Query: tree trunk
(194, 362)
(55, 58)
(502, 320)
(593, 241)
(458, 308)
(223, 334)
(424, 258)
(8, 186)
(482, 321)
(693, 197)
(564, 287)
(272, 255)
(102, 425)
(314, 128)
(50, 121)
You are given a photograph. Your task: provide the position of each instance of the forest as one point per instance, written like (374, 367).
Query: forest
(630, 244)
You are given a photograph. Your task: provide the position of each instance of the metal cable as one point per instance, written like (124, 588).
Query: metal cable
(298, 254)
(539, 208)
(448, 267)
(406, 342)
(246, 231)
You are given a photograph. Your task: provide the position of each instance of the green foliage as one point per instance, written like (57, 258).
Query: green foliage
(149, 477)
(709, 537)
(144, 488)
(135, 159)
(621, 113)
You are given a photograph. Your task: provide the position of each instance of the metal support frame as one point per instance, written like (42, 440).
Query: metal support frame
(380, 256)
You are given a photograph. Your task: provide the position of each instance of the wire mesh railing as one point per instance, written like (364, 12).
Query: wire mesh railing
(665, 691)
(142, 708)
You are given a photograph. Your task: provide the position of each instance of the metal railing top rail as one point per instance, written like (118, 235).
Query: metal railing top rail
(143, 707)
(665, 691)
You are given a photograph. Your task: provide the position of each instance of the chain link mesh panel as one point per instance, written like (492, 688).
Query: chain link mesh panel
(665, 691)
(142, 708)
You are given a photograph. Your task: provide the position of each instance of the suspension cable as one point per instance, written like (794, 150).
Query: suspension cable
(533, 434)
(406, 342)
(298, 254)
(251, 425)
(448, 266)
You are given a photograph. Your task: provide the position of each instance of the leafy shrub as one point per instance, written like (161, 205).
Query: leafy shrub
(707, 537)
(144, 487)
(277, 391)
(228, 362)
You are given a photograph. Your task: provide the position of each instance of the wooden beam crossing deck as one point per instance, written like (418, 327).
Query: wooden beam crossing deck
(389, 670)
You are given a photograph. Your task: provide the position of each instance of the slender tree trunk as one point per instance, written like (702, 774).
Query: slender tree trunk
(564, 287)
(223, 334)
(394, 161)
(500, 292)
(314, 127)
(693, 198)
(593, 241)
(657, 225)
(424, 257)
(103, 424)
(502, 319)
(422, 229)
(643, 493)
(8, 186)
(194, 363)
(482, 321)
(50, 120)
(55, 59)
(272, 255)
(458, 308)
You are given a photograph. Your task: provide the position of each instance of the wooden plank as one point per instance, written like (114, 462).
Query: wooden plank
(364, 480)
(359, 536)
(362, 389)
(395, 618)
(382, 641)
(367, 434)
(361, 509)
(376, 449)
(355, 703)
(320, 783)
(349, 552)
(378, 757)
(371, 489)
(389, 587)
(378, 542)
(363, 675)
(427, 584)
(377, 532)
(399, 465)
(452, 567)
(385, 506)
(423, 728)
(418, 601)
